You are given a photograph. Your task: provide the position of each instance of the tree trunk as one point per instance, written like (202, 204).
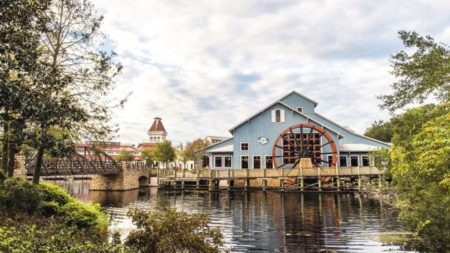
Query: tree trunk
(11, 159)
(37, 168)
(5, 145)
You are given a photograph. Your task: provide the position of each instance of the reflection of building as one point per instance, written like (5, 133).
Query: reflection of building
(285, 131)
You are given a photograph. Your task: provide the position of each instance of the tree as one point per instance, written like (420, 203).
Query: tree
(422, 73)
(125, 156)
(172, 231)
(149, 156)
(21, 69)
(420, 154)
(164, 152)
(421, 172)
(193, 149)
(380, 130)
(80, 76)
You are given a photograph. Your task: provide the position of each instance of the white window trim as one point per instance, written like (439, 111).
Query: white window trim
(357, 159)
(368, 158)
(346, 160)
(260, 161)
(248, 161)
(240, 146)
(231, 160)
(221, 161)
(282, 116)
(328, 159)
(265, 161)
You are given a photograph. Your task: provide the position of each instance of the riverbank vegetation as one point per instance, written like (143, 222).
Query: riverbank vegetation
(44, 218)
(419, 161)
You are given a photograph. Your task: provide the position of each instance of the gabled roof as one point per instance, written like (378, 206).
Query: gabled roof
(290, 108)
(351, 131)
(157, 126)
(300, 95)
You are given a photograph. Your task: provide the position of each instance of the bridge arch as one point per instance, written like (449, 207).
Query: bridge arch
(144, 181)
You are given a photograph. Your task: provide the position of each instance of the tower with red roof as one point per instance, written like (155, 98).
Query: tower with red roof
(157, 132)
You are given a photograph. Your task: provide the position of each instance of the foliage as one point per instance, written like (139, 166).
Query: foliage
(380, 130)
(125, 156)
(148, 155)
(21, 70)
(193, 148)
(164, 152)
(420, 156)
(55, 238)
(172, 231)
(421, 171)
(19, 196)
(424, 72)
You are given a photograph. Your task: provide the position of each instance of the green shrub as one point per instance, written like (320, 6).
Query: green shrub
(2, 176)
(171, 232)
(54, 193)
(85, 215)
(55, 239)
(19, 196)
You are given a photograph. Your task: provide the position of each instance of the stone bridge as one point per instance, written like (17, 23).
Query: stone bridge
(131, 176)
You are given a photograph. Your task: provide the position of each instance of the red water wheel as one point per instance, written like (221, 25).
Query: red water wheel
(304, 141)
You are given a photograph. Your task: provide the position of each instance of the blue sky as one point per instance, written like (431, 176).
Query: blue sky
(204, 66)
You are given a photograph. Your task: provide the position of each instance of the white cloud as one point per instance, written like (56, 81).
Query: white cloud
(204, 66)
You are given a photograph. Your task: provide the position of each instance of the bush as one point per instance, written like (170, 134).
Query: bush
(55, 239)
(172, 231)
(19, 196)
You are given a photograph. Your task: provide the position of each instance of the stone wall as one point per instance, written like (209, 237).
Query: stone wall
(127, 179)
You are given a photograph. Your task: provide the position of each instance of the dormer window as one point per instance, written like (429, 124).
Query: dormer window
(278, 115)
(300, 109)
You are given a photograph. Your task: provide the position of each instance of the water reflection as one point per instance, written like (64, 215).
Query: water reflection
(269, 221)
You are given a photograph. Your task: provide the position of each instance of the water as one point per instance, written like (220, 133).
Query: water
(265, 221)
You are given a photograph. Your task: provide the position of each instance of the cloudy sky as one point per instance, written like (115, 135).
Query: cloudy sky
(204, 66)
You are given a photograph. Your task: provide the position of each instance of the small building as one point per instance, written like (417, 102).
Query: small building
(111, 148)
(280, 134)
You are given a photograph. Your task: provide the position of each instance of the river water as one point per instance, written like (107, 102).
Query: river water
(265, 221)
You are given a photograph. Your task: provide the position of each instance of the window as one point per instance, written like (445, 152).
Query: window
(228, 161)
(244, 146)
(205, 162)
(365, 161)
(354, 161)
(244, 162)
(257, 162)
(218, 161)
(343, 161)
(277, 115)
(269, 164)
(300, 109)
(330, 161)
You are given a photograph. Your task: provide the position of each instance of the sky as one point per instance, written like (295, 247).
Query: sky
(204, 66)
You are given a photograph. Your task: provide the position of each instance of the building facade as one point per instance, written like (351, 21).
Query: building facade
(287, 130)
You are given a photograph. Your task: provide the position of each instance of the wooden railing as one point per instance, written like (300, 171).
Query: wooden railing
(269, 173)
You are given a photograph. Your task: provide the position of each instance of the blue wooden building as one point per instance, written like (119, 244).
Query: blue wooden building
(285, 131)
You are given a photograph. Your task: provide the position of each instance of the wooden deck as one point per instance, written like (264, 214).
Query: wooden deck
(266, 176)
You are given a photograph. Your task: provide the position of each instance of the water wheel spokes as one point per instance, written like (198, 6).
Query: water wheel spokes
(303, 141)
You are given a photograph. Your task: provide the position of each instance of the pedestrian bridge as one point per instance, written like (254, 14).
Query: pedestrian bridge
(105, 172)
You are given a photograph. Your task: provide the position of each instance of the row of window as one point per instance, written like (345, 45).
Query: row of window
(226, 161)
(354, 161)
